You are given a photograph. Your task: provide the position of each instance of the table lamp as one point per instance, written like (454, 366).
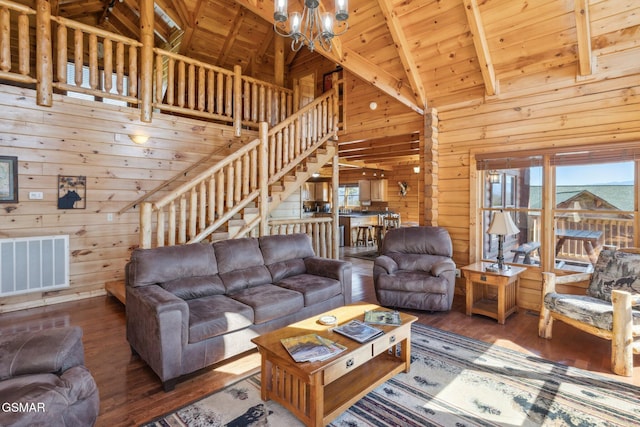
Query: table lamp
(502, 225)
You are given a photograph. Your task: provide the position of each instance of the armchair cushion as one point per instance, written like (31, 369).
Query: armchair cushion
(586, 309)
(36, 352)
(615, 270)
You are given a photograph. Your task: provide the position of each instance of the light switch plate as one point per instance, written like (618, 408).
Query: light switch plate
(35, 195)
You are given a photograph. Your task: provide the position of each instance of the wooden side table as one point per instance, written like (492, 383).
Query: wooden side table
(478, 281)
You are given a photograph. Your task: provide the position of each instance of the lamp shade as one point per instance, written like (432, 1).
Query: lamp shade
(502, 224)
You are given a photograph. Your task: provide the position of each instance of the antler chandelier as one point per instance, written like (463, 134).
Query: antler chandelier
(311, 26)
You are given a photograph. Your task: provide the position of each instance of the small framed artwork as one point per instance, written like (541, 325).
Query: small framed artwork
(72, 192)
(8, 179)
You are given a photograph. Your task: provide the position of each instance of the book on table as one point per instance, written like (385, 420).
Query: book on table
(382, 317)
(358, 331)
(311, 348)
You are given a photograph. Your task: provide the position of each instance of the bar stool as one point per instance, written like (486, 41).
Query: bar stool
(364, 235)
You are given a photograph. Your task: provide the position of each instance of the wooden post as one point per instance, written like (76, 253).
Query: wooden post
(429, 169)
(237, 100)
(145, 225)
(278, 63)
(335, 182)
(44, 66)
(146, 60)
(263, 177)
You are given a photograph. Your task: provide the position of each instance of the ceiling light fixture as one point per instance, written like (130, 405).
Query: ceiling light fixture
(311, 26)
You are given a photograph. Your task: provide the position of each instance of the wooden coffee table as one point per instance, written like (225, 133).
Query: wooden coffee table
(317, 392)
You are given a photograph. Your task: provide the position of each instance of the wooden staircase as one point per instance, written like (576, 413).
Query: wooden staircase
(234, 197)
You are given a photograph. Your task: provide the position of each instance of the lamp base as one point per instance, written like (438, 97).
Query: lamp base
(495, 268)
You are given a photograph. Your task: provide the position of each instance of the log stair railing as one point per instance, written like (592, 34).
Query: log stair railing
(234, 197)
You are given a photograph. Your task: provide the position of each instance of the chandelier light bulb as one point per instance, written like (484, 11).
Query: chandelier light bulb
(310, 27)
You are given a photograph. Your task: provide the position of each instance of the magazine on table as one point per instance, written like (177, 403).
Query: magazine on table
(359, 331)
(382, 317)
(311, 348)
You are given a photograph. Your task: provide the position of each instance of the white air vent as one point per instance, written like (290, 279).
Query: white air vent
(32, 264)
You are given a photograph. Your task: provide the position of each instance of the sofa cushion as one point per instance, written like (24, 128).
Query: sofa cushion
(270, 302)
(167, 263)
(284, 254)
(315, 289)
(413, 281)
(240, 264)
(195, 287)
(216, 315)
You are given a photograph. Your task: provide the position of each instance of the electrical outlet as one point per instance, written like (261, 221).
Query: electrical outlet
(458, 275)
(109, 217)
(35, 195)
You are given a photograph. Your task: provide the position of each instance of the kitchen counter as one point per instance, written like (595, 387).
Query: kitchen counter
(352, 221)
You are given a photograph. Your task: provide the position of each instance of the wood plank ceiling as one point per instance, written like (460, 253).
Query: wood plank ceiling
(424, 53)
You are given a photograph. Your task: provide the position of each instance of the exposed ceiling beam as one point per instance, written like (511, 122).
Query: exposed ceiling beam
(231, 37)
(351, 61)
(410, 67)
(583, 31)
(481, 46)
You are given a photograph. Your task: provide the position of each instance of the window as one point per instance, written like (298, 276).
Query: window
(349, 196)
(514, 190)
(590, 199)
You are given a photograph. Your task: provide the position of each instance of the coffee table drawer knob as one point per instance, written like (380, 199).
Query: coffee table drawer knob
(350, 363)
(392, 339)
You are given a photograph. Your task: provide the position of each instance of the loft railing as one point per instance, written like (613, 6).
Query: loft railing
(107, 65)
(197, 209)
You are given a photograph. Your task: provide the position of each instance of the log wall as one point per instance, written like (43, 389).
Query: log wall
(597, 112)
(76, 137)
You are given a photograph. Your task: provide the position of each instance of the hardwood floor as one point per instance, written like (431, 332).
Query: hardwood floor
(131, 394)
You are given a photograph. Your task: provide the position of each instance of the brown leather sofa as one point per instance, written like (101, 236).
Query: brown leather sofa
(415, 269)
(43, 380)
(190, 306)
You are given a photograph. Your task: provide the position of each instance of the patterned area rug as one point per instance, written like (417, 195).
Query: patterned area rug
(454, 381)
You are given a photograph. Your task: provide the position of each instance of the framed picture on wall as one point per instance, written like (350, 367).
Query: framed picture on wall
(8, 179)
(72, 192)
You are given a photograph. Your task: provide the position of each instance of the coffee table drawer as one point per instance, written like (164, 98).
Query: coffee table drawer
(389, 339)
(346, 364)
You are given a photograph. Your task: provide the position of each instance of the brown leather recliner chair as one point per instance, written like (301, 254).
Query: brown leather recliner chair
(415, 269)
(43, 380)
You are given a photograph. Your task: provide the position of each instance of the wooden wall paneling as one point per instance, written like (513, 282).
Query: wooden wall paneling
(78, 137)
(568, 117)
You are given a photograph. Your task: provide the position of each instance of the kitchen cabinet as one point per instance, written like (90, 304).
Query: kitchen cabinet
(379, 190)
(315, 191)
(373, 190)
(364, 190)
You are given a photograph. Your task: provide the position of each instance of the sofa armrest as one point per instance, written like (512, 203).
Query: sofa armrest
(44, 351)
(334, 269)
(385, 263)
(443, 266)
(157, 328)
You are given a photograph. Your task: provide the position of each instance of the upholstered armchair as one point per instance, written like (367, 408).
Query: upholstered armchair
(415, 269)
(43, 380)
(610, 309)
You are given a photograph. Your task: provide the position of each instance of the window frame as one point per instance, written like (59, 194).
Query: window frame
(548, 159)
